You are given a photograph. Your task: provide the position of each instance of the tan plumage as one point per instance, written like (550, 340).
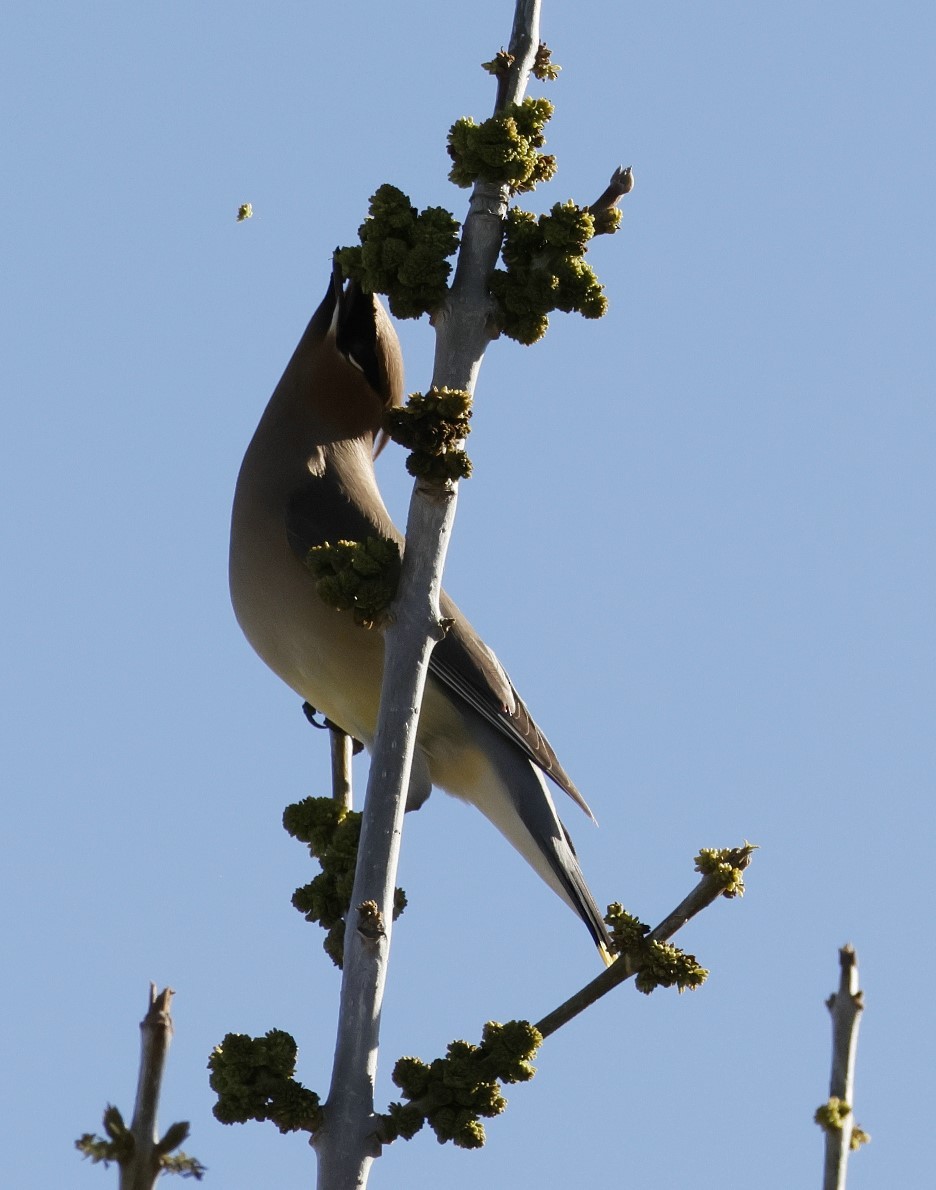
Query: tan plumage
(308, 477)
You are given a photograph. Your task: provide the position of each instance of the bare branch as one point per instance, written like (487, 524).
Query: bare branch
(342, 747)
(155, 1034)
(837, 1117)
(137, 1150)
(622, 182)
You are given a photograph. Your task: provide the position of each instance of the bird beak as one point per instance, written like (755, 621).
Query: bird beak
(380, 442)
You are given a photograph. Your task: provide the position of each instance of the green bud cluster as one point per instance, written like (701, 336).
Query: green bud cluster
(658, 964)
(724, 862)
(433, 426)
(453, 1092)
(403, 253)
(627, 932)
(358, 576)
(332, 834)
(831, 1115)
(503, 150)
(182, 1164)
(666, 966)
(117, 1147)
(120, 1147)
(546, 270)
(544, 68)
(607, 220)
(253, 1079)
(500, 64)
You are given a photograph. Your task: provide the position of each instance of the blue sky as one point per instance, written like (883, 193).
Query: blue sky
(742, 449)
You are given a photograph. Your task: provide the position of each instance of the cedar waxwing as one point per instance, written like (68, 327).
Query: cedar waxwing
(308, 477)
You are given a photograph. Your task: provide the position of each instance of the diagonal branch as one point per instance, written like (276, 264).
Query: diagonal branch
(709, 889)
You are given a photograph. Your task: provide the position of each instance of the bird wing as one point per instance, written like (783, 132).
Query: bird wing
(464, 663)
(461, 661)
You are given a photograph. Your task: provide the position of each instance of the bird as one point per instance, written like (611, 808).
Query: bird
(308, 478)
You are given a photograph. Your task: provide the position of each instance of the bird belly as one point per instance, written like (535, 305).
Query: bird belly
(337, 667)
(320, 652)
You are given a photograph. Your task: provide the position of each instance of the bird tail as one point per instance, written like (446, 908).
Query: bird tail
(516, 799)
(566, 867)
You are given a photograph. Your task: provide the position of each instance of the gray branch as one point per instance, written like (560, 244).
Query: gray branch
(709, 889)
(845, 1007)
(622, 182)
(346, 1144)
(141, 1172)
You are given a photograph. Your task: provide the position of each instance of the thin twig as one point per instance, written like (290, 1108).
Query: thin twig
(709, 889)
(622, 182)
(342, 747)
(141, 1172)
(845, 1007)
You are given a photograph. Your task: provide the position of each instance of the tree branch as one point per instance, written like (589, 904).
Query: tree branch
(155, 1034)
(140, 1155)
(709, 889)
(837, 1116)
(622, 182)
(347, 1145)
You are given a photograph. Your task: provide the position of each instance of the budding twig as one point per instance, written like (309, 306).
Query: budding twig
(709, 888)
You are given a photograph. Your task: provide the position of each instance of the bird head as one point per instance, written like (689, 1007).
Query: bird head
(368, 364)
